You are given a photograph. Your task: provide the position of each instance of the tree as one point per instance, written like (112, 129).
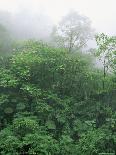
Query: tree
(73, 31)
(105, 52)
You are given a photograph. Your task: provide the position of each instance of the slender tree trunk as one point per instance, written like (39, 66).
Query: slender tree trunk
(104, 74)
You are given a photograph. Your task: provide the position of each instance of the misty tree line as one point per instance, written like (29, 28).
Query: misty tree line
(54, 100)
(73, 31)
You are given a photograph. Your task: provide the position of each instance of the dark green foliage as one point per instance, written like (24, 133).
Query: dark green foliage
(52, 103)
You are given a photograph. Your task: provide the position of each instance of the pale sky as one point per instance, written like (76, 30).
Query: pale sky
(101, 12)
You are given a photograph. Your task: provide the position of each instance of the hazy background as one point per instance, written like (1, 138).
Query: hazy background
(35, 18)
(101, 12)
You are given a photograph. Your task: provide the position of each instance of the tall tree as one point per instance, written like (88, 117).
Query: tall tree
(105, 52)
(73, 31)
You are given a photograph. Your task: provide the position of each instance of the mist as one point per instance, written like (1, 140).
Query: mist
(57, 77)
(35, 19)
(101, 13)
(27, 25)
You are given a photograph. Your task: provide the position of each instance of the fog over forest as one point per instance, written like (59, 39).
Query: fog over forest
(101, 13)
(35, 19)
(57, 77)
(27, 25)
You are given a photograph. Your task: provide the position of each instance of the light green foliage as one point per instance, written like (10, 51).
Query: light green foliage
(106, 48)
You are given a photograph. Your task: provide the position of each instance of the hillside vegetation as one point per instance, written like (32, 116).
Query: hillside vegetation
(56, 102)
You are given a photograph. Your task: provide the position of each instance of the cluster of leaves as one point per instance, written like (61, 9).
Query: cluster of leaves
(52, 103)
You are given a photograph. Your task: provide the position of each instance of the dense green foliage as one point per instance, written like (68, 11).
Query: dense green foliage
(52, 103)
